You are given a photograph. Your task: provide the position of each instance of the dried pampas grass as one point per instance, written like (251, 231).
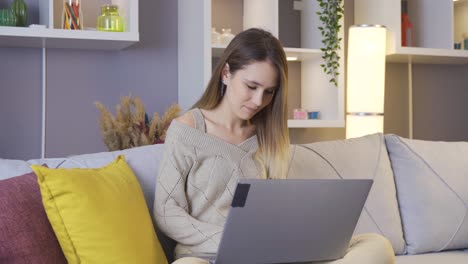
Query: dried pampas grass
(131, 126)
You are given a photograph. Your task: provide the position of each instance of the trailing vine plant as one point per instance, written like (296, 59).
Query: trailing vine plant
(330, 15)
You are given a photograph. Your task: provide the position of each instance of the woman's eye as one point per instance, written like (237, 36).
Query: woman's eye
(270, 91)
(251, 87)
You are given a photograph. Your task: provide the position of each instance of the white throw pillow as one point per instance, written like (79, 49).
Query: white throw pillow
(432, 186)
(359, 158)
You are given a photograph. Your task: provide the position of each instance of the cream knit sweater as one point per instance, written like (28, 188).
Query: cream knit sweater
(197, 178)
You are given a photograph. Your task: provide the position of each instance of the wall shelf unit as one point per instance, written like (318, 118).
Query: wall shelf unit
(47, 33)
(437, 26)
(52, 36)
(294, 54)
(428, 56)
(433, 38)
(294, 22)
(294, 123)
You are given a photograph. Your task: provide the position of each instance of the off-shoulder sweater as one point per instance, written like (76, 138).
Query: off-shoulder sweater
(196, 182)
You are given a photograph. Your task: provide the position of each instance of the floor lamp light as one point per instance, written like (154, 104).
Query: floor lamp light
(365, 80)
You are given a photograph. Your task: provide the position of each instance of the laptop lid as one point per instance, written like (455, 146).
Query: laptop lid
(293, 220)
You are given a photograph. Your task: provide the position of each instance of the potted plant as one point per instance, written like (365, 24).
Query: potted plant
(331, 13)
(131, 126)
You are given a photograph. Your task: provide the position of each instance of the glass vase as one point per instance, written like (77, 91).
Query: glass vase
(110, 20)
(20, 9)
(72, 15)
(7, 18)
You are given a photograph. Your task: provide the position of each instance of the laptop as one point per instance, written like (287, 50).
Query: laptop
(293, 220)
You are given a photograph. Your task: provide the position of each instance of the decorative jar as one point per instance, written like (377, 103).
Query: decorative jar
(110, 20)
(300, 114)
(7, 18)
(72, 16)
(313, 115)
(20, 9)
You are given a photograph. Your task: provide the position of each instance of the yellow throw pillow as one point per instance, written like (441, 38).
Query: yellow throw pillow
(99, 215)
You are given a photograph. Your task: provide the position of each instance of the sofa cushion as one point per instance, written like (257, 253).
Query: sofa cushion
(12, 168)
(432, 185)
(99, 215)
(144, 162)
(448, 257)
(358, 158)
(25, 232)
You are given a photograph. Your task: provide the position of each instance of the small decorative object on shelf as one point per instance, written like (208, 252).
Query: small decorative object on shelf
(20, 9)
(407, 34)
(313, 115)
(215, 37)
(123, 8)
(72, 17)
(465, 41)
(300, 114)
(7, 18)
(110, 20)
(226, 36)
(131, 127)
(330, 15)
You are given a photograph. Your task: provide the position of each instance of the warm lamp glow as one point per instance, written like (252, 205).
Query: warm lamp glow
(358, 126)
(366, 80)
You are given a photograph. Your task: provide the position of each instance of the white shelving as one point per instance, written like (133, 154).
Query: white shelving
(294, 123)
(293, 54)
(428, 56)
(310, 83)
(438, 24)
(51, 36)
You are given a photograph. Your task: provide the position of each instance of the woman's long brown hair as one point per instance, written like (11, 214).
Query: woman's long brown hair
(256, 45)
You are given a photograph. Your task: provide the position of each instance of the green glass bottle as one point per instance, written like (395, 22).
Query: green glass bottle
(20, 9)
(110, 20)
(7, 18)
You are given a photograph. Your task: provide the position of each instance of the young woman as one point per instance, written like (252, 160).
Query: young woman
(238, 129)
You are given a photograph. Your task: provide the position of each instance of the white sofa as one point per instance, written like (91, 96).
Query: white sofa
(419, 199)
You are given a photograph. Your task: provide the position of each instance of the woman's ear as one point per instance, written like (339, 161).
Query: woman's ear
(225, 73)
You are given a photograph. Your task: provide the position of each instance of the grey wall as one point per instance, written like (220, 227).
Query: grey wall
(440, 102)
(20, 103)
(77, 78)
(396, 120)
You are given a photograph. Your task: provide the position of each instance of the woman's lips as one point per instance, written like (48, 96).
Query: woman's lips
(251, 110)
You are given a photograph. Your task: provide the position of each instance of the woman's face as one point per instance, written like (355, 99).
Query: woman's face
(250, 89)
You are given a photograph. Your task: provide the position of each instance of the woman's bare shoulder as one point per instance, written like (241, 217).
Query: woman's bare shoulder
(187, 119)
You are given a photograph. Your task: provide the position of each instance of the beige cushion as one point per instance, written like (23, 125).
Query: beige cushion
(432, 183)
(448, 257)
(359, 158)
(143, 160)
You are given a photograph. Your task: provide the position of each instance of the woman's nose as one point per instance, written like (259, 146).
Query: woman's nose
(257, 98)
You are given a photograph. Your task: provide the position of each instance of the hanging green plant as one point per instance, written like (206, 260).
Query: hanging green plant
(330, 15)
